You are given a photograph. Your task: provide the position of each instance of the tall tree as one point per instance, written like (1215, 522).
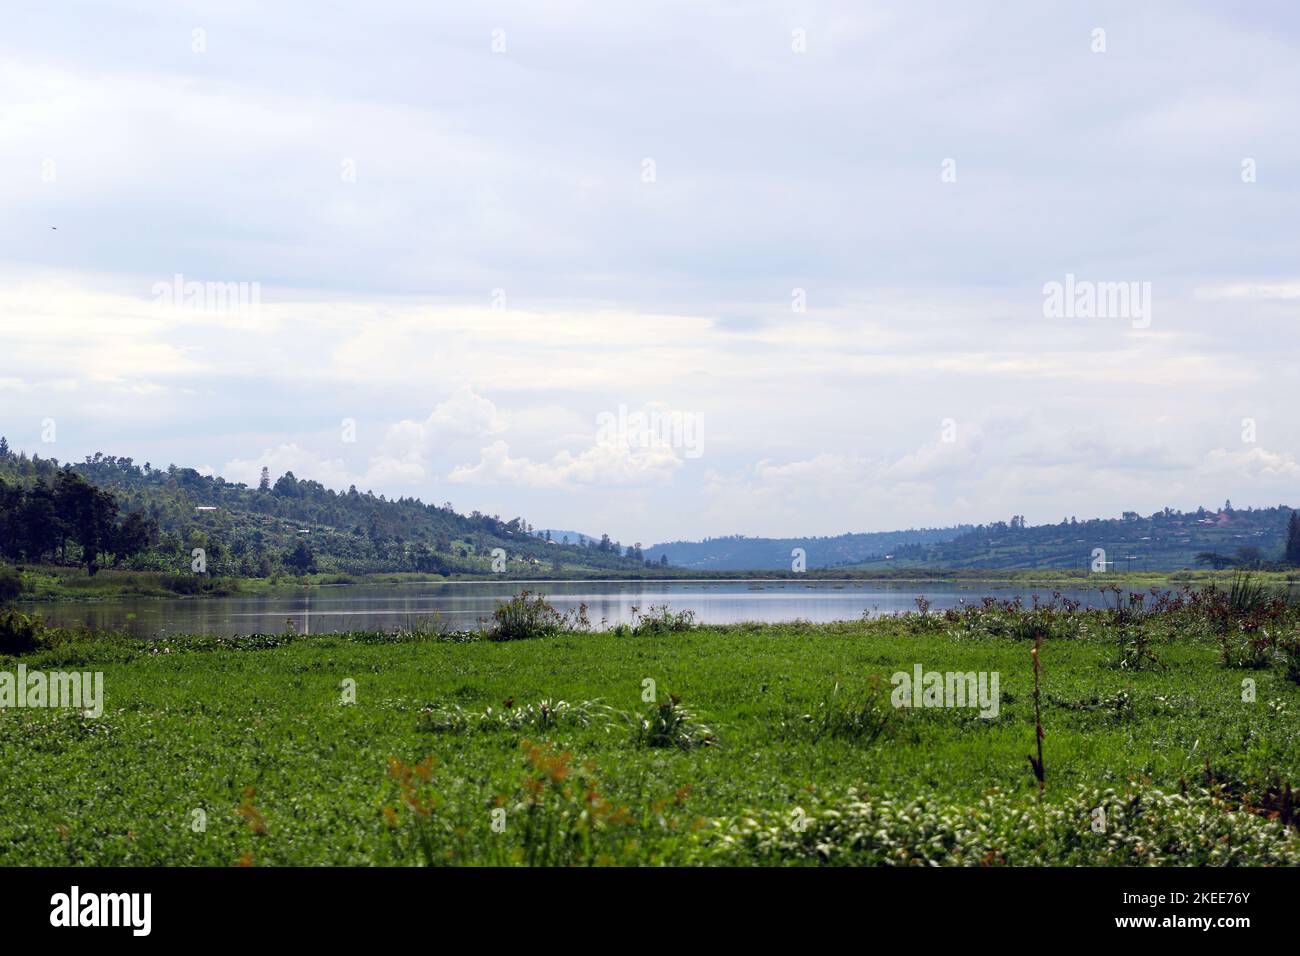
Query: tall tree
(136, 534)
(88, 515)
(300, 559)
(1293, 539)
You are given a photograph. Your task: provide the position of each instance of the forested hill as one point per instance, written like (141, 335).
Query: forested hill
(738, 552)
(1168, 540)
(285, 524)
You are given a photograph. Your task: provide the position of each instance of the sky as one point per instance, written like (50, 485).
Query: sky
(666, 270)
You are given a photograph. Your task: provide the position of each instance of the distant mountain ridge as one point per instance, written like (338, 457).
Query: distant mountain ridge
(741, 553)
(1166, 540)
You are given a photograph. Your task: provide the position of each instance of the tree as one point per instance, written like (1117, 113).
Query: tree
(11, 584)
(1293, 539)
(426, 561)
(264, 484)
(300, 559)
(1213, 559)
(38, 529)
(136, 534)
(88, 516)
(1249, 556)
(376, 533)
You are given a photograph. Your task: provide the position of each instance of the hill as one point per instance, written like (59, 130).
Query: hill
(289, 524)
(1167, 540)
(737, 553)
(1164, 541)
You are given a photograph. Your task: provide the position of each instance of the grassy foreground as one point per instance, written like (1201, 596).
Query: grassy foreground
(761, 744)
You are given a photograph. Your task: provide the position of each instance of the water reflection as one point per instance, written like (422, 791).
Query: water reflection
(463, 604)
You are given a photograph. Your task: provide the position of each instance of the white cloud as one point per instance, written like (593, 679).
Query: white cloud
(304, 463)
(408, 446)
(1254, 466)
(601, 465)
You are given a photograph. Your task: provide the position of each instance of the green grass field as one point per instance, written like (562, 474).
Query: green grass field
(213, 752)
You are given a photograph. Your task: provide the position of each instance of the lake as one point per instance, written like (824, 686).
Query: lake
(461, 604)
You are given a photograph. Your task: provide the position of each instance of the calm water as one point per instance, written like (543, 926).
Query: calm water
(461, 605)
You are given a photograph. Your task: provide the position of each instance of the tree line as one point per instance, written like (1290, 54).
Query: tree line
(285, 524)
(69, 517)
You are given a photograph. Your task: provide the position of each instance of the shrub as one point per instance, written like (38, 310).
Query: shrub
(659, 619)
(527, 615)
(669, 724)
(20, 633)
(191, 584)
(11, 584)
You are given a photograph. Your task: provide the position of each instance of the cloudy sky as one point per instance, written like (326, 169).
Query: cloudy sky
(811, 240)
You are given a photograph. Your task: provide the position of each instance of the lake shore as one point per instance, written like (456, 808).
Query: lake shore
(57, 583)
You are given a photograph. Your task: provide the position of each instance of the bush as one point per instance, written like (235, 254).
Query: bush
(192, 584)
(527, 615)
(658, 619)
(11, 584)
(20, 633)
(671, 725)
